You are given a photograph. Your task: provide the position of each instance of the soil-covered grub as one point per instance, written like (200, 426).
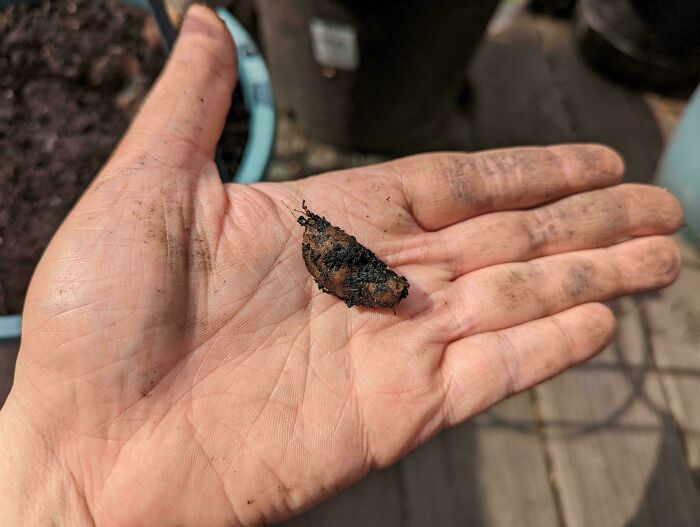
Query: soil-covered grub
(344, 268)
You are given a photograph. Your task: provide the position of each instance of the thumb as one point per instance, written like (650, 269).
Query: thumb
(183, 117)
(174, 133)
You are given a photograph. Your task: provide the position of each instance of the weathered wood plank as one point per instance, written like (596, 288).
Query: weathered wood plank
(673, 320)
(489, 472)
(439, 487)
(513, 475)
(616, 456)
(376, 501)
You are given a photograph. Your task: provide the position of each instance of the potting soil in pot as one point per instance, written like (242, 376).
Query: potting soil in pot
(72, 74)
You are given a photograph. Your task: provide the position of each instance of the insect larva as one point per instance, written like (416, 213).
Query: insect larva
(343, 267)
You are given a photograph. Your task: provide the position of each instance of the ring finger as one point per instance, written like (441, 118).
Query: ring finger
(505, 295)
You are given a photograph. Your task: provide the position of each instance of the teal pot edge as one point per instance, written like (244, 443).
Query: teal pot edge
(679, 170)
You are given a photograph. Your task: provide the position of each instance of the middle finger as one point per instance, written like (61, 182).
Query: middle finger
(505, 295)
(584, 221)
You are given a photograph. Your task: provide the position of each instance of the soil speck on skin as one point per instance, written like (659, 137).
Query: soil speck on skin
(344, 268)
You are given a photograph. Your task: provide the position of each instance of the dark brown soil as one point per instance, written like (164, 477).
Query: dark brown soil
(72, 74)
(343, 267)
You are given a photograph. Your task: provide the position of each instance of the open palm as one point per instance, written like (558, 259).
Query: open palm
(180, 361)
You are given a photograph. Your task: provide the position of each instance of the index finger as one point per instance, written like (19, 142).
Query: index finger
(445, 188)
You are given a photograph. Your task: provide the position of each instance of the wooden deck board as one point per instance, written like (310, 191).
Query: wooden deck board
(616, 455)
(376, 501)
(515, 487)
(440, 488)
(673, 320)
(486, 472)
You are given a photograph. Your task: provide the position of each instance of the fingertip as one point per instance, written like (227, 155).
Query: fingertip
(589, 329)
(676, 212)
(652, 262)
(596, 162)
(670, 261)
(202, 18)
(608, 160)
(185, 112)
(602, 325)
(196, 9)
(204, 36)
(663, 208)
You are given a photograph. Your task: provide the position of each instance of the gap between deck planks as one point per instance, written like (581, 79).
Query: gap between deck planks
(490, 471)
(615, 451)
(673, 322)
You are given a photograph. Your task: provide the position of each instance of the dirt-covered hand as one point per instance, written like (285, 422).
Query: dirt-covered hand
(179, 366)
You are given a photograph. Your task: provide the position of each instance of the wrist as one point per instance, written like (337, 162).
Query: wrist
(35, 486)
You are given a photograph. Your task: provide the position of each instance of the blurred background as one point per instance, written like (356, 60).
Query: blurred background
(332, 84)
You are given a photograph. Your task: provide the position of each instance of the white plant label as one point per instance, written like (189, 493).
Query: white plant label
(335, 44)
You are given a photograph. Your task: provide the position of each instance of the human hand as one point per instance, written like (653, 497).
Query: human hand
(180, 367)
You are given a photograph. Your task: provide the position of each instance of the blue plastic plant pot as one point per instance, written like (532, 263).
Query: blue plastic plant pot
(259, 100)
(10, 326)
(679, 170)
(254, 79)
